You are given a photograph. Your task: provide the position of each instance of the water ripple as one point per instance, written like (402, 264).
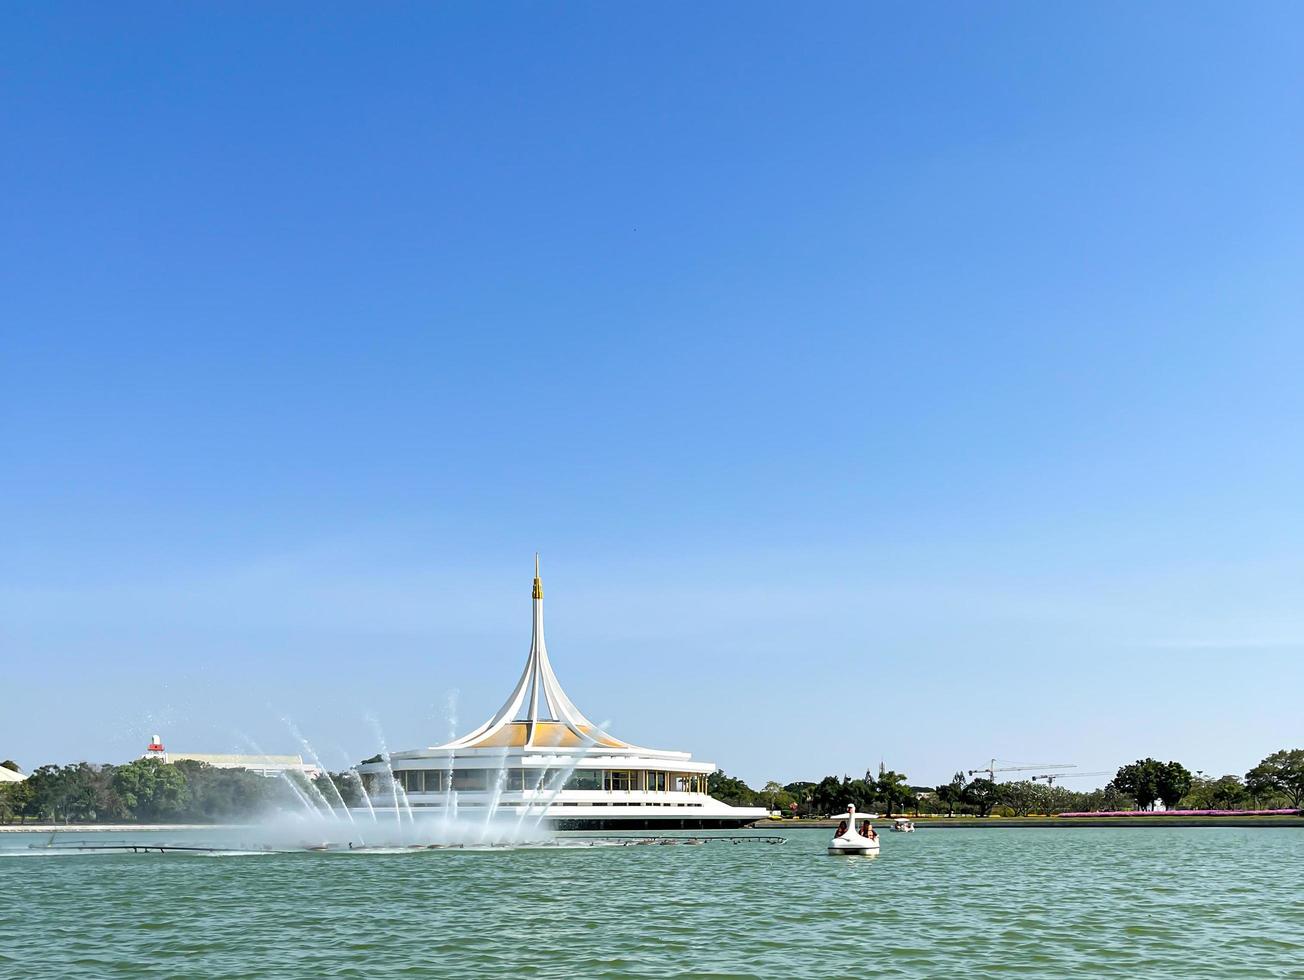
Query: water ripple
(1037, 903)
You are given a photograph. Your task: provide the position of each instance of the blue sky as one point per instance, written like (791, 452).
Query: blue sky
(904, 382)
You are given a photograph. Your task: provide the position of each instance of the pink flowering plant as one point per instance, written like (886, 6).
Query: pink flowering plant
(1182, 813)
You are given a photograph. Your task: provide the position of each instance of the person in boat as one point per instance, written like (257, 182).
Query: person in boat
(842, 830)
(867, 830)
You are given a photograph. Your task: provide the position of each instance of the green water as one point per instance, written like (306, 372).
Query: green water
(979, 903)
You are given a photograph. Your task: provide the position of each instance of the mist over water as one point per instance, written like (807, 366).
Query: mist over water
(360, 830)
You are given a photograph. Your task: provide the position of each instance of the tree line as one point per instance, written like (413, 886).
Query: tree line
(152, 791)
(1277, 782)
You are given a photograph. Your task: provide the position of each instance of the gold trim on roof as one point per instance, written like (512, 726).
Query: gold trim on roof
(547, 734)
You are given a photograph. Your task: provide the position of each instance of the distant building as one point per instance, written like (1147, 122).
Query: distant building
(540, 755)
(261, 765)
(7, 775)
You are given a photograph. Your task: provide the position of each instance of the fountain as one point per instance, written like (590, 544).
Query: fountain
(321, 818)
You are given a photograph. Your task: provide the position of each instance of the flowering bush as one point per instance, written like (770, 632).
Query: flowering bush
(1182, 813)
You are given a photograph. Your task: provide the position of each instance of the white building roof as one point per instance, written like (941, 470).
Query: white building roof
(231, 761)
(538, 714)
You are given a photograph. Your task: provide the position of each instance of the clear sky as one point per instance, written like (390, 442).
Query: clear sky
(879, 381)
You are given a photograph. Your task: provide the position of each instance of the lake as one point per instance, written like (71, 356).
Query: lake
(1172, 902)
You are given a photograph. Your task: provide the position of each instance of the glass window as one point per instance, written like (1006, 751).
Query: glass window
(621, 779)
(470, 779)
(585, 779)
(656, 781)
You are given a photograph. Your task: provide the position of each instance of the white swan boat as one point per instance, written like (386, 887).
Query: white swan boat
(848, 838)
(903, 826)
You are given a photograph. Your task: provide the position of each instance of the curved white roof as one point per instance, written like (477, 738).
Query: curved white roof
(538, 714)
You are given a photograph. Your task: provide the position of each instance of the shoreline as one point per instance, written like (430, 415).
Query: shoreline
(114, 828)
(999, 823)
(921, 823)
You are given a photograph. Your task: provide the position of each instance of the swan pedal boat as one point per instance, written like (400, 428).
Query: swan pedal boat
(849, 841)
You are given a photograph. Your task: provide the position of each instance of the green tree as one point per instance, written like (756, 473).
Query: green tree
(828, 797)
(860, 793)
(801, 793)
(775, 797)
(981, 794)
(1223, 793)
(1140, 780)
(891, 791)
(1018, 797)
(770, 791)
(951, 794)
(347, 787)
(80, 792)
(1280, 773)
(1109, 797)
(1174, 782)
(1057, 799)
(213, 793)
(730, 790)
(15, 798)
(10, 765)
(151, 789)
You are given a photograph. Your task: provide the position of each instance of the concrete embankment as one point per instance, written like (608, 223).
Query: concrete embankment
(997, 823)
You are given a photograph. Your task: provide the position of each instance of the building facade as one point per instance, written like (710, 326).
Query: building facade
(271, 766)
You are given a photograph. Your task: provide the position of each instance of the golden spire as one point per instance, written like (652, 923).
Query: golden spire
(538, 585)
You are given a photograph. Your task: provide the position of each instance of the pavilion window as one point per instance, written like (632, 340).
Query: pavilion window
(432, 781)
(621, 780)
(656, 781)
(590, 779)
(470, 779)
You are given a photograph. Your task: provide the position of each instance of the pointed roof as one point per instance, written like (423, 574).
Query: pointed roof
(537, 714)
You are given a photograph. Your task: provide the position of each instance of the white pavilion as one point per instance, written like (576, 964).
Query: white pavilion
(540, 755)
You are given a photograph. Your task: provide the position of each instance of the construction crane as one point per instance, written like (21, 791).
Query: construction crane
(993, 769)
(1050, 777)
